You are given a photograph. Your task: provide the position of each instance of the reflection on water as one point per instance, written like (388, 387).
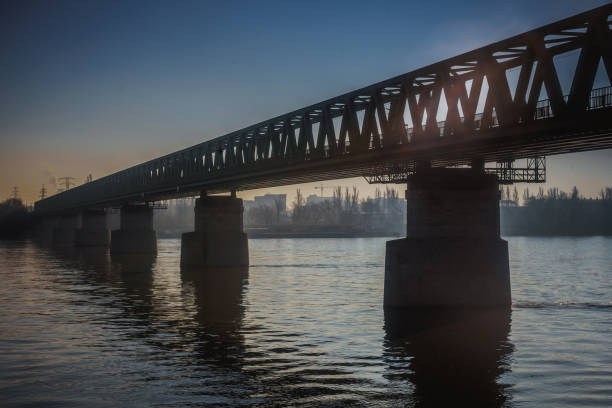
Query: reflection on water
(218, 295)
(450, 357)
(303, 326)
(218, 299)
(136, 274)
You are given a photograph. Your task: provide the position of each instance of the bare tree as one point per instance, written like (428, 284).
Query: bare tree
(355, 199)
(298, 207)
(347, 198)
(337, 204)
(574, 194)
(260, 215)
(278, 208)
(553, 193)
(515, 196)
(526, 196)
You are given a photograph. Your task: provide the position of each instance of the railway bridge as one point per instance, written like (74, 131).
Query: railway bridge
(452, 131)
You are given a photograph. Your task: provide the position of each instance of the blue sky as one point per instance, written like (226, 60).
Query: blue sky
(96, 86)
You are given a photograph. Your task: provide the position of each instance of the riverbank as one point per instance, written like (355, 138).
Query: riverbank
(315, 232)
(558, 217)
(303, 231)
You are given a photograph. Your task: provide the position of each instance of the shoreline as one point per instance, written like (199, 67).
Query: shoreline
(282, 235)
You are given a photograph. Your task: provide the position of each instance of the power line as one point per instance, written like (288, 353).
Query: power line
(67, 182)
(43, 192)
(15, 192)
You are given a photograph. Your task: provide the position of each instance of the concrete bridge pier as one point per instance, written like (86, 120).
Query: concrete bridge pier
(135, 234)
(46, 226)
(218, 239)
(64, 233)
(452, 254)
(93, 231)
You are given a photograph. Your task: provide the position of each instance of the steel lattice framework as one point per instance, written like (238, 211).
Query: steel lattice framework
(396, 121)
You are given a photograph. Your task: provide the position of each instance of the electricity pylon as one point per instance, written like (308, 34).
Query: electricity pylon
(67, 182)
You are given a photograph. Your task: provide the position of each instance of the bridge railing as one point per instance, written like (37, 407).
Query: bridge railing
(600, 98)
(374, 118)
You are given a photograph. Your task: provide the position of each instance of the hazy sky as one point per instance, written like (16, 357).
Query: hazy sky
(97, 86)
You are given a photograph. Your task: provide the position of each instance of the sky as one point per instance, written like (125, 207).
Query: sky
(93, 87)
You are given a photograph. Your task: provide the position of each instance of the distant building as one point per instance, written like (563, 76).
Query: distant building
(266, 210)
(315, 199)
(268, 200)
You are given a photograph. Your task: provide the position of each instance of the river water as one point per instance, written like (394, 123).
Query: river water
(304, 326)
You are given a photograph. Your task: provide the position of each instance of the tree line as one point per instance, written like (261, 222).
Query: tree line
(553, 193)
(556, 212)
(15, 219)
(383, 212)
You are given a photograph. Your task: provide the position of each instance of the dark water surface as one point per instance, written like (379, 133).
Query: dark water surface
(303, 326)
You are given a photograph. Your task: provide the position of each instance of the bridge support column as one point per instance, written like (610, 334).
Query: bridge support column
(45, 230)
(93, 231)
(453, 254)
(219, 239)
(64, 232)
(136, 234)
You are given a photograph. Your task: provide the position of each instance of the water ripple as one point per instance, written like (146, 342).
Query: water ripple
(84, 328)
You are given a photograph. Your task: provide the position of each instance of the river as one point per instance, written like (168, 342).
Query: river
(303, 326)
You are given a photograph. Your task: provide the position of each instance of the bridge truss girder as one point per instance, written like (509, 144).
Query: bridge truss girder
(396, 119)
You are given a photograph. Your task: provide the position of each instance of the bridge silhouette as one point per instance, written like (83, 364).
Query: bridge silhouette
(501, 102)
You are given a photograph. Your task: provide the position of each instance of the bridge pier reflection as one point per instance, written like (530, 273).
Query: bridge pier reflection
(218, 294)
(64, 231)
(93, 231)
(86, 228)
(452, 357)
(136, 234)
(219, 313)
(218, 239)
(453, 254)
(45, 228)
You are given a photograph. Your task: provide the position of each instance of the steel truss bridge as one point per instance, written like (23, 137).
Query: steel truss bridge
(393, 124)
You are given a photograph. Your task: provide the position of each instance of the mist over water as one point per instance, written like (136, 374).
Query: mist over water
(304, 325)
